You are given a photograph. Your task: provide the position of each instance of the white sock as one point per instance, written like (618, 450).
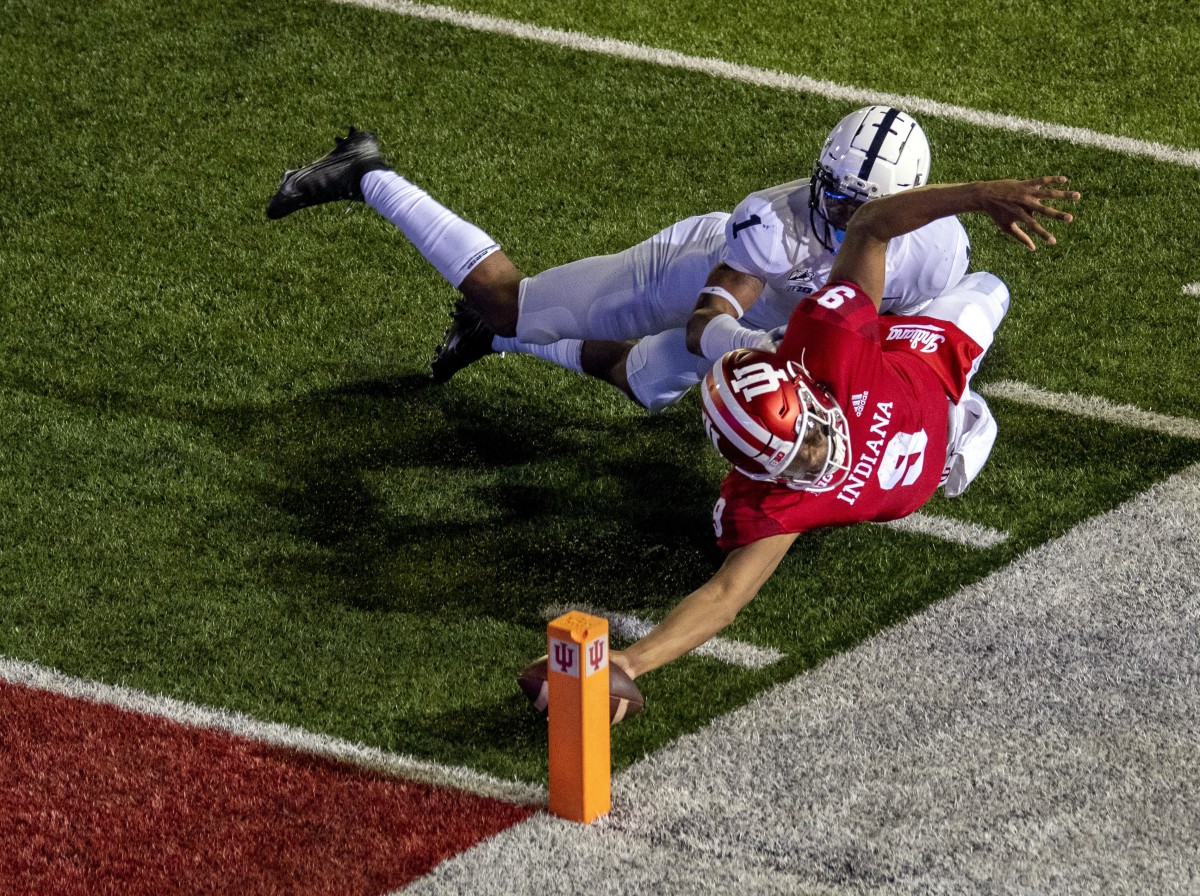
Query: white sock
(567, 353)
(449, 243)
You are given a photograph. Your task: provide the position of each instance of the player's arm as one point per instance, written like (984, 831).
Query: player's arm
(726, 296)
(709, 608)
(1013, 204)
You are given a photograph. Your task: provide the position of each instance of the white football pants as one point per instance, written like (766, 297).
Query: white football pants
(643, 290)
(976, 305)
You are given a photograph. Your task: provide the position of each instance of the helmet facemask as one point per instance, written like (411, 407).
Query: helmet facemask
(832, 203)
(822, 423)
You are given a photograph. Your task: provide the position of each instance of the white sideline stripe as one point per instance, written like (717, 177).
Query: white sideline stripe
(1091, 406)
(1192, 289)
(607, 46)
(972, 535)
(1036, 727)
(631, 628)
(271, 733)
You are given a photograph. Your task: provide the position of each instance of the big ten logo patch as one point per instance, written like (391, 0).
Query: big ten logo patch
(564, 657)
(801, 280)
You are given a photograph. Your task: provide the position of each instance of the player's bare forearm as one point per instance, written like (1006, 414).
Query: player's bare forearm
(709, 608)
(1014, 205)
(727, 283)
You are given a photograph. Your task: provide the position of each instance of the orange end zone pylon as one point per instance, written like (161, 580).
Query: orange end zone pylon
(580, 756)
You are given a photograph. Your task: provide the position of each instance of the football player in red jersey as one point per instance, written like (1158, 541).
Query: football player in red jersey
(854, 418)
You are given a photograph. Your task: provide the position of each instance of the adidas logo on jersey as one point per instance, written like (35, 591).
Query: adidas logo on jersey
(859, 401)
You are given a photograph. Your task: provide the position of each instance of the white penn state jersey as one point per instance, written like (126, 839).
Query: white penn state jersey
(770, 236)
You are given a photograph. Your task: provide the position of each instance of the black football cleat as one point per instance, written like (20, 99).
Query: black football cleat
(334, 176)
(467, 340)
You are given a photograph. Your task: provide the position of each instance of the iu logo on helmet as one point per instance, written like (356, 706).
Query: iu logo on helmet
(753, 380)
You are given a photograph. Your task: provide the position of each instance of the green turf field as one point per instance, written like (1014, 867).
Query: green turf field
(225, 477)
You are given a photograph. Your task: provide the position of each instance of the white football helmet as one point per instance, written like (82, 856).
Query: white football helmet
(762, 412)
(873, 152)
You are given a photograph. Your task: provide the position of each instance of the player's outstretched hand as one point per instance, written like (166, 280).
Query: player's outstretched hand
(1015, 204)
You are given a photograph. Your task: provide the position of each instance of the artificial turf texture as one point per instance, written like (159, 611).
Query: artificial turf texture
(226, 477)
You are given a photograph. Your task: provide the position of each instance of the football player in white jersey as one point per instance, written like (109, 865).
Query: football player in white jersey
(777, 247)
(689, 294)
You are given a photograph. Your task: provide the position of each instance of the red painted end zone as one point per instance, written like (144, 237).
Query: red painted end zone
(97, 800)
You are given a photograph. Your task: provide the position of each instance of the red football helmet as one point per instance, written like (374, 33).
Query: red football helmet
(772, 421)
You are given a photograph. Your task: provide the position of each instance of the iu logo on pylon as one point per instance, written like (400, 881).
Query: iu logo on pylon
(564, 657)
(597, 655)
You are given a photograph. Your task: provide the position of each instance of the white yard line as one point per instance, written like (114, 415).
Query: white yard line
(274, 734)
(631, 628)
(607, 46)
(1070, 403)
(1091, 406)
(972, 535)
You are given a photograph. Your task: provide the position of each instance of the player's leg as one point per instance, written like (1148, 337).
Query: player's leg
(976, 305)
(469, 259)
(655, 372)
(469, 338)
(645, 289)
(615, 297)
(659, 370)
(605, 360)
(462, 253)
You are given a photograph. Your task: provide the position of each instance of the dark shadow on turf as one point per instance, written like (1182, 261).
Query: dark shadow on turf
(415, 497)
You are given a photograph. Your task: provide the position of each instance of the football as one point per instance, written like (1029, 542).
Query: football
(624, 698)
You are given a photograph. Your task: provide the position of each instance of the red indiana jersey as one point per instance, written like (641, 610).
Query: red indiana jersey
(894, 378)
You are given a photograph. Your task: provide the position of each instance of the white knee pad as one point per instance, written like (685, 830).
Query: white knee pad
(976, 305)
(660, 369)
